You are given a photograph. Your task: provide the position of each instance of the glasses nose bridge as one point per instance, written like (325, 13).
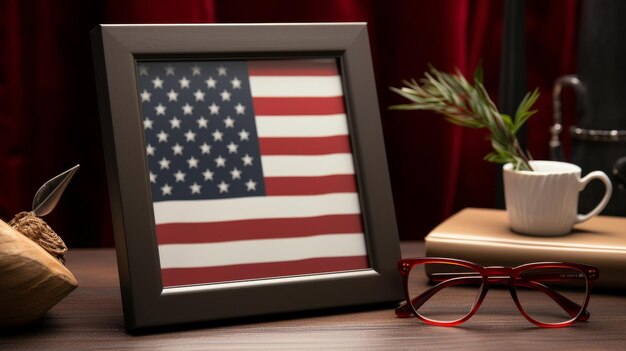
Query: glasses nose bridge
(498, 271)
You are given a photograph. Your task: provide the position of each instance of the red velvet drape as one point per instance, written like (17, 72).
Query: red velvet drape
(49, 119)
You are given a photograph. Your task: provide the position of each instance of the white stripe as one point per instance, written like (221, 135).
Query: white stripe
(295, 86)
(307, 166)
(261, 251)
(301, 126)
(257, 207)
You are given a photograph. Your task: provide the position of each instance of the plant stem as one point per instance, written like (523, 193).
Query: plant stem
(524, 157)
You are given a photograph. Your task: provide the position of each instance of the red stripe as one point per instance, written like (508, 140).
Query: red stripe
(268, 106)
(187, 233)
(341, 183)
(293, 68)
(204, 275)
(338, 144)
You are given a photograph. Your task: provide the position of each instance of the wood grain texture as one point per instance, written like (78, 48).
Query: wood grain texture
(91, 319)
(31, 279)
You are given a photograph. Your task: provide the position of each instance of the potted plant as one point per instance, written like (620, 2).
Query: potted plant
(541, 196)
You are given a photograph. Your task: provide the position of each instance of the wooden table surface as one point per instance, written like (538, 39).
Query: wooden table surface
(90, 318)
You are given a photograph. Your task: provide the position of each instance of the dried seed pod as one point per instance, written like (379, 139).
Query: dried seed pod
(31, 279)
(40, 232)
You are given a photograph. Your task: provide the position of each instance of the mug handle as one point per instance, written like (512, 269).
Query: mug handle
(607, 193)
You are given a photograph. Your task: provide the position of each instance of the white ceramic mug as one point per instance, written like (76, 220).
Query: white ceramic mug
(545, 201)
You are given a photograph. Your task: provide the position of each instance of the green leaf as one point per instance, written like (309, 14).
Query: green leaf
(404, 107)
(406, 94)
(478, 73)
(507, 121)
(497, 158)
(469, 123)
(523, 112)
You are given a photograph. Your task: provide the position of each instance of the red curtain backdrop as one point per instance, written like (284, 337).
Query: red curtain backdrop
(49, 118)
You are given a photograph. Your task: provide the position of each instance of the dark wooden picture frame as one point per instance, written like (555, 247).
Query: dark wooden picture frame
(117, 49)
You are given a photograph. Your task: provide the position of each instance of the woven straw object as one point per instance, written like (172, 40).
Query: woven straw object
(32, 280)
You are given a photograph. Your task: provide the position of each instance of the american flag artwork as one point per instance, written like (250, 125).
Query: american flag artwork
(251, 169)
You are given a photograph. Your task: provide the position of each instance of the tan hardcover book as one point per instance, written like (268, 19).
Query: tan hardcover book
(483, 236)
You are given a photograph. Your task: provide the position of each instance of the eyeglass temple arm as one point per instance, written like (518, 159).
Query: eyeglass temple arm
(572, 308)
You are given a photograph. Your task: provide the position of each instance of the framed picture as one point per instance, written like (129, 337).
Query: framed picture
(247, 171)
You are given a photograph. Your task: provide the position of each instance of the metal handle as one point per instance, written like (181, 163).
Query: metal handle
(556, 149)
(606, 135)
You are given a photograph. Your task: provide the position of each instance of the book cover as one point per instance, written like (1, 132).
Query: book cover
(483, 236)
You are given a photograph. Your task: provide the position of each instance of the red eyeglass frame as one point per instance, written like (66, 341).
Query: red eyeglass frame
(493, 275)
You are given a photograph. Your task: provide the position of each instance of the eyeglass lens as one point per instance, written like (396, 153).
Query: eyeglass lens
(449, 296)
(553, 294)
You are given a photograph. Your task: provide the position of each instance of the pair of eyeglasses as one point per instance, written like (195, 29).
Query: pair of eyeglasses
(548, 294)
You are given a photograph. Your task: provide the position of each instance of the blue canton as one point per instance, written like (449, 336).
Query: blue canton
(200, 136)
